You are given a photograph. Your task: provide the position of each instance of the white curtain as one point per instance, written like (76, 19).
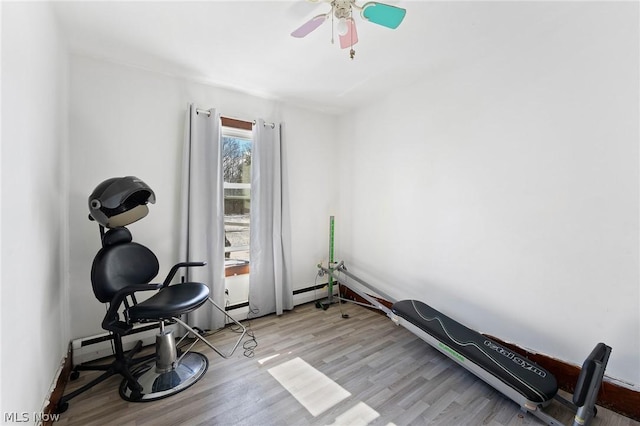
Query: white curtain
(269, 289)
(202, 215)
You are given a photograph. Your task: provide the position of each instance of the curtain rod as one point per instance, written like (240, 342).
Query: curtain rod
(265, 124)
(204, 111)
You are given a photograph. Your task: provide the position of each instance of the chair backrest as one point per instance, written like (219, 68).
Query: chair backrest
(120, 263)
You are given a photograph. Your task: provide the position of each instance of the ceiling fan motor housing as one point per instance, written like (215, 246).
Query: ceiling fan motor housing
(342, 8)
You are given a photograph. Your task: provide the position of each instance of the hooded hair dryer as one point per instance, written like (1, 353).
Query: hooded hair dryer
(120, 201)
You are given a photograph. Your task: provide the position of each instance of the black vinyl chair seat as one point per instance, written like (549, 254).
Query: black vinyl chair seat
(170, 302)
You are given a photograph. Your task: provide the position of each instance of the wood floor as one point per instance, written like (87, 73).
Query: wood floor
(391, 377)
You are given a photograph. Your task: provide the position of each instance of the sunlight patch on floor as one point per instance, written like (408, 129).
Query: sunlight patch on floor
(360, 415)
(311, 388)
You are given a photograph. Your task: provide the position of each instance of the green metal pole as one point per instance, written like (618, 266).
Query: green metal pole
(330, 282)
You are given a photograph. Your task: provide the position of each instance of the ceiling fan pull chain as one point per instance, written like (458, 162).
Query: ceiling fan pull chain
(352, 53)
(332, 26)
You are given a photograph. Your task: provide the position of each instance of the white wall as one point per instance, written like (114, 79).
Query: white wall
(35, 331)
(129, 121)
(505, 192)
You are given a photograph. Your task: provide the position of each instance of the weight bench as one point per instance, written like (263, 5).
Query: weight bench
(519, 379)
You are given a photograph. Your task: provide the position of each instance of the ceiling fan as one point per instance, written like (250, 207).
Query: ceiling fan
(342, 10)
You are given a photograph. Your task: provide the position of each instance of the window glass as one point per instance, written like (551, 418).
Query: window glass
(236, 164)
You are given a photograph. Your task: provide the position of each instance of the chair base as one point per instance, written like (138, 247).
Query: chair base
(157, 385)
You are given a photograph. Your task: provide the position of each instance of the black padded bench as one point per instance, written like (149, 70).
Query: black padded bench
(463, 344)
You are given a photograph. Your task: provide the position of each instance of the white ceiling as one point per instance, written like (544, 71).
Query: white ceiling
(247, 45)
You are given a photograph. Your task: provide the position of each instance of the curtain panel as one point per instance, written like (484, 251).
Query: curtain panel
(202, 212)
(269, 289)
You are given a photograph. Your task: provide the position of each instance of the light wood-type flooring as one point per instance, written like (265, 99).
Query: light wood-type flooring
(390, 376)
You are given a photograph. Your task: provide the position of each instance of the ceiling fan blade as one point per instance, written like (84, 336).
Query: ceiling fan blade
(383, 14)
(309, 26)
(351, 36)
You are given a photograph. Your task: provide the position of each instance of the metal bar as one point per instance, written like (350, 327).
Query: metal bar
(205, 341)
(208, 113)
(373, 302)
(564, 401)
(341, 268)
(203, 111)
(272, 125)
(330, 281)
(355, 302)
(187, 351)
(546, 418)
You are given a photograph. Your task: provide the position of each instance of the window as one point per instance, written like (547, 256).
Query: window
(236, 165)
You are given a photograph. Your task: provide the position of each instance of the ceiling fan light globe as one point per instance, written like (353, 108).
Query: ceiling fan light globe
(342, 27)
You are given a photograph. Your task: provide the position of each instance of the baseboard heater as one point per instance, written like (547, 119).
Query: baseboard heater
(300, 296)
(99, 346)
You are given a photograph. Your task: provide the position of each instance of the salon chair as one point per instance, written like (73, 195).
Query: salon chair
(122, 270)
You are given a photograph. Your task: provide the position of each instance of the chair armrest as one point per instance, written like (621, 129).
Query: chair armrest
(111, 321)
(175, 268)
